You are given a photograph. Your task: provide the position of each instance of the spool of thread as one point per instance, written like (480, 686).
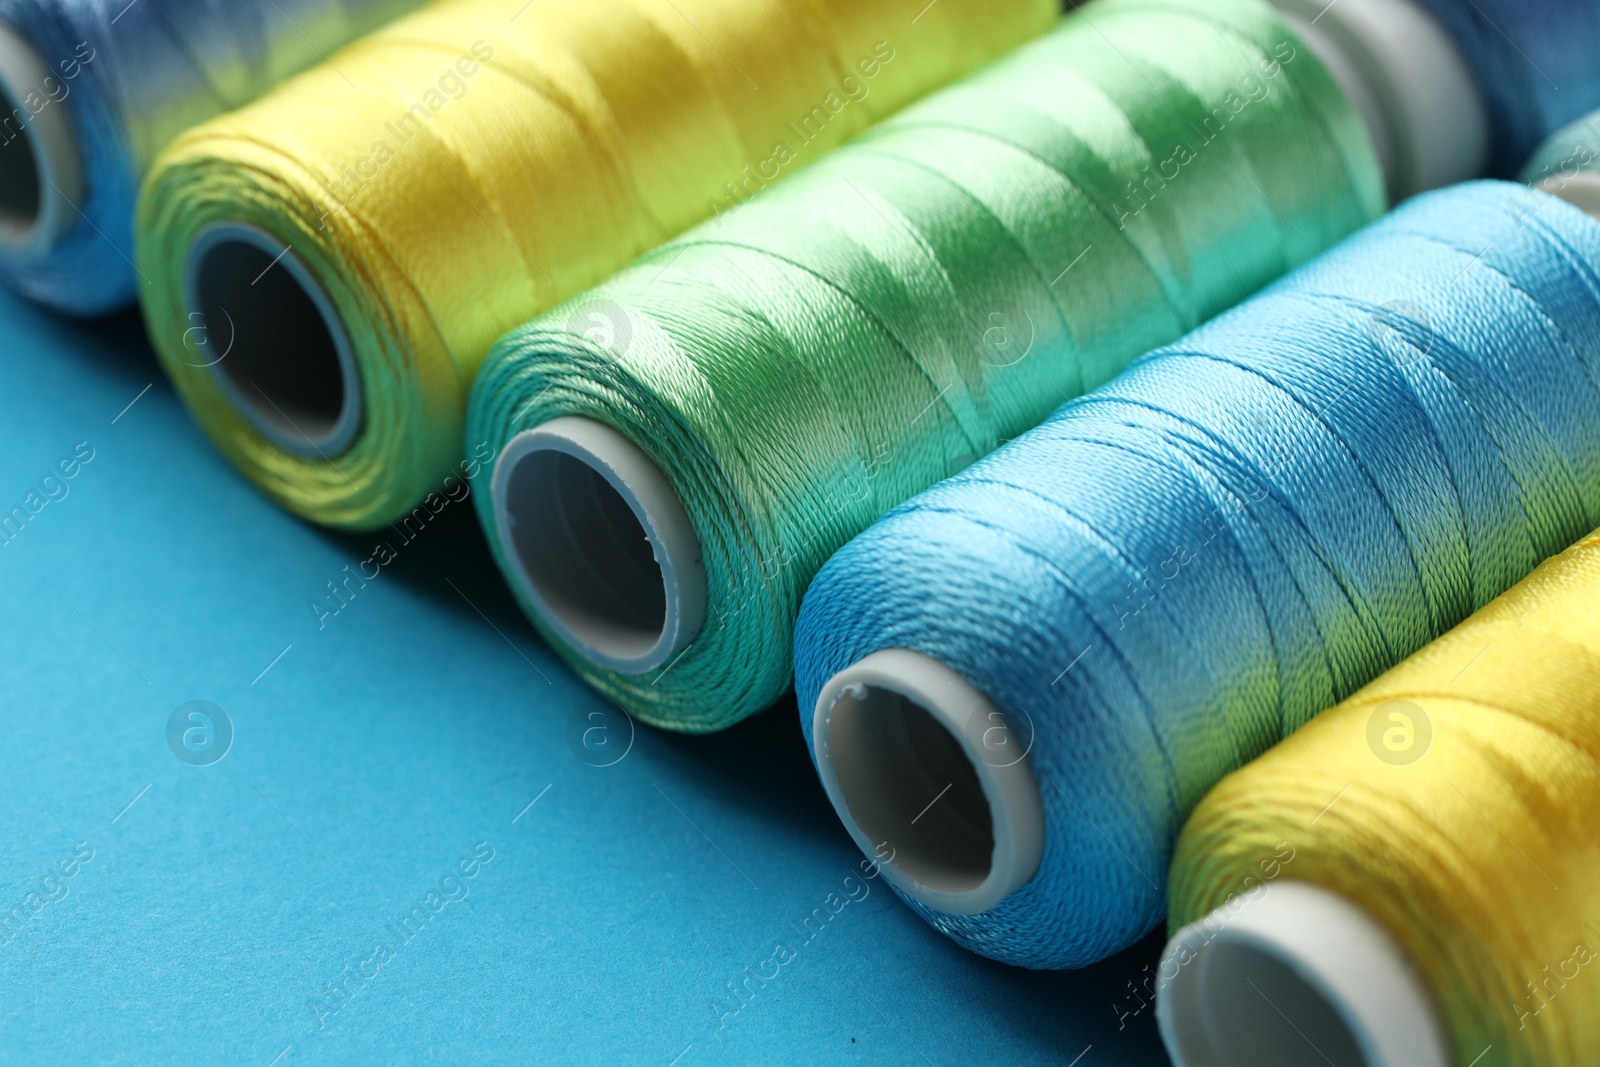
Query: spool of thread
(90, 90)
(1534, 59)
(460, 171)
(1176, 571)
(1413, 879)
(773, 384)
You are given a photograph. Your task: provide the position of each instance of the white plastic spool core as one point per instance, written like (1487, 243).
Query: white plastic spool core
(41, 168)
(266, 329)
(930, 779)
(1405, 77)
(599, 543)
(1296, 975)
(1582, 191)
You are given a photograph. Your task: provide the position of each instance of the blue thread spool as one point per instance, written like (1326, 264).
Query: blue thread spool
(1189, 499)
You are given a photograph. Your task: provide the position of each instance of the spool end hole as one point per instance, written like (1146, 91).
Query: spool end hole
(585, 554)
(21, 192)
(1298, 1024)
(262, 326)
(910, 785)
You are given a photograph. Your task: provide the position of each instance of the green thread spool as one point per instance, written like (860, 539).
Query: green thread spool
(791, 371)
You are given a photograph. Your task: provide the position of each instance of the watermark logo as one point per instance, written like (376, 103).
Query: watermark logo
(197, 340)
(1005, 333)
(600, 737)
(603, 323)
(999, 740)
(1402, 331)
(199, 733)
(1399, 732)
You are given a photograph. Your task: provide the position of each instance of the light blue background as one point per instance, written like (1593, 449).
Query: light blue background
(368, 760)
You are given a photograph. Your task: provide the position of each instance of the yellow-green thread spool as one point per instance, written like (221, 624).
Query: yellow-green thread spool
(474, 164)
(1452, 802)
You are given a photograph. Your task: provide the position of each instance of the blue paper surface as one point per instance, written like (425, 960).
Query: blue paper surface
(408, 852)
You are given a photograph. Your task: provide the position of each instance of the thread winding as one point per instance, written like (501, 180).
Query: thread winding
(469, 170)
(1175, 572)
(131, 77)
(874, 325)
(1469, 834)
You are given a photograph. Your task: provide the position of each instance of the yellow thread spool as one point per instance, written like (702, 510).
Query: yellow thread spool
(357, 240)
(1454, 801)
